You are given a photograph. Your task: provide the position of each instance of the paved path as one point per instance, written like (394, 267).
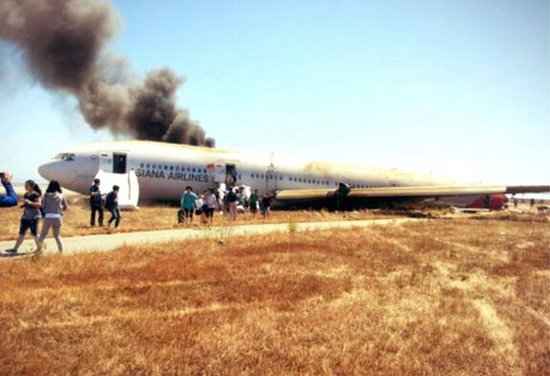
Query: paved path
(110, 242)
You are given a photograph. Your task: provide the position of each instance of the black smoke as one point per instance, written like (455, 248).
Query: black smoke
(63, 44)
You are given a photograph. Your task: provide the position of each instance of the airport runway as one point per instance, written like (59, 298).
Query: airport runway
(111, 242)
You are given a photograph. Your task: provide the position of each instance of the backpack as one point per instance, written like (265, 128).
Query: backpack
(232, 196)
(110, 201)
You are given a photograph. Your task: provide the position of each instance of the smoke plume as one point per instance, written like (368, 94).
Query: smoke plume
(63, 44)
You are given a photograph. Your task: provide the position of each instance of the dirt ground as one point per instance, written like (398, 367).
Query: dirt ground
(444, 297)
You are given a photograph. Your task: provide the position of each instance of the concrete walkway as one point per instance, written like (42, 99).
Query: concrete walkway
(110, 242)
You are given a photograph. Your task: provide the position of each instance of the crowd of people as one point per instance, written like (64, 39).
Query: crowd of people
(229, 201)
(45, 210)
(42, 213)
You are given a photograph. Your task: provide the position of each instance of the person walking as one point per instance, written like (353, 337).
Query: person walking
(202, 207)
(10, 198)
(111, 204)
(211, 204)
(188, 205)
(253, 203)
(31, 214)
(53, 206)
(96, 204)
(232, 201)
(267, 201)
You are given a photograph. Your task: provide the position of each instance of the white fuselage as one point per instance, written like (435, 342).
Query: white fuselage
(164, 170)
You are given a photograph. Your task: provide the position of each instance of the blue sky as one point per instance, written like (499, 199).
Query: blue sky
(456, 88)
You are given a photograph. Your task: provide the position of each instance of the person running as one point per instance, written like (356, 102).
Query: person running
(53, 206)
(10, 198)
(111, 204)
(267, 201)
(232, 201)
(211, 203)
(253, 203)
(96, 204)
(31, 214)
(188, 205)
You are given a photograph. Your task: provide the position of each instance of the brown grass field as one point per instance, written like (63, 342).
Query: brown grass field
(444, 297)
(162, 217)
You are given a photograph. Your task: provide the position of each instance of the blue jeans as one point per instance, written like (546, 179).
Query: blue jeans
(115, 216)
(10, 198)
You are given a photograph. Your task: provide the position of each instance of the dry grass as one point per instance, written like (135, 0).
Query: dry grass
(438, 298)
(77, 219)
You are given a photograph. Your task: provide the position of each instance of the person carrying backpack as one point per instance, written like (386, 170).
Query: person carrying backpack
(111, 204)
(96, 204)
(232, 201)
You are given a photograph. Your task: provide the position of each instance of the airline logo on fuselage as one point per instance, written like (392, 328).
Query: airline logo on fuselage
(173, 175)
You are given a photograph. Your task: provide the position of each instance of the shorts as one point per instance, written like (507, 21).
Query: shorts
(28, 224)
(188, 213)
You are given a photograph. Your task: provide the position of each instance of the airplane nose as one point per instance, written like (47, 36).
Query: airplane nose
(51, 171)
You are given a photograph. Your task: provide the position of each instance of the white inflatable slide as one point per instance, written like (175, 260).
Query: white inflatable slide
(128, 196)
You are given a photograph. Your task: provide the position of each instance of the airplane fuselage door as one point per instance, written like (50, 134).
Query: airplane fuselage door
(120, 163)
(225, 173)
(218, 170)
(231, 175)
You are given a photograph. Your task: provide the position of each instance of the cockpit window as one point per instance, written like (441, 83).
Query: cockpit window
(68, 157)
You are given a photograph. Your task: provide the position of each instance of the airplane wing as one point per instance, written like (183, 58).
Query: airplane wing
(417, 192)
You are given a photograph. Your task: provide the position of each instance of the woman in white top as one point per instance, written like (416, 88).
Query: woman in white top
(53, 205)
(211, 204)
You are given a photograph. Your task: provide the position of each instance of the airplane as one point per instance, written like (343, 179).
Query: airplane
(156, 171)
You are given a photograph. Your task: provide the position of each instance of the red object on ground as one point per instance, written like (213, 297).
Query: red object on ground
(493, 202)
